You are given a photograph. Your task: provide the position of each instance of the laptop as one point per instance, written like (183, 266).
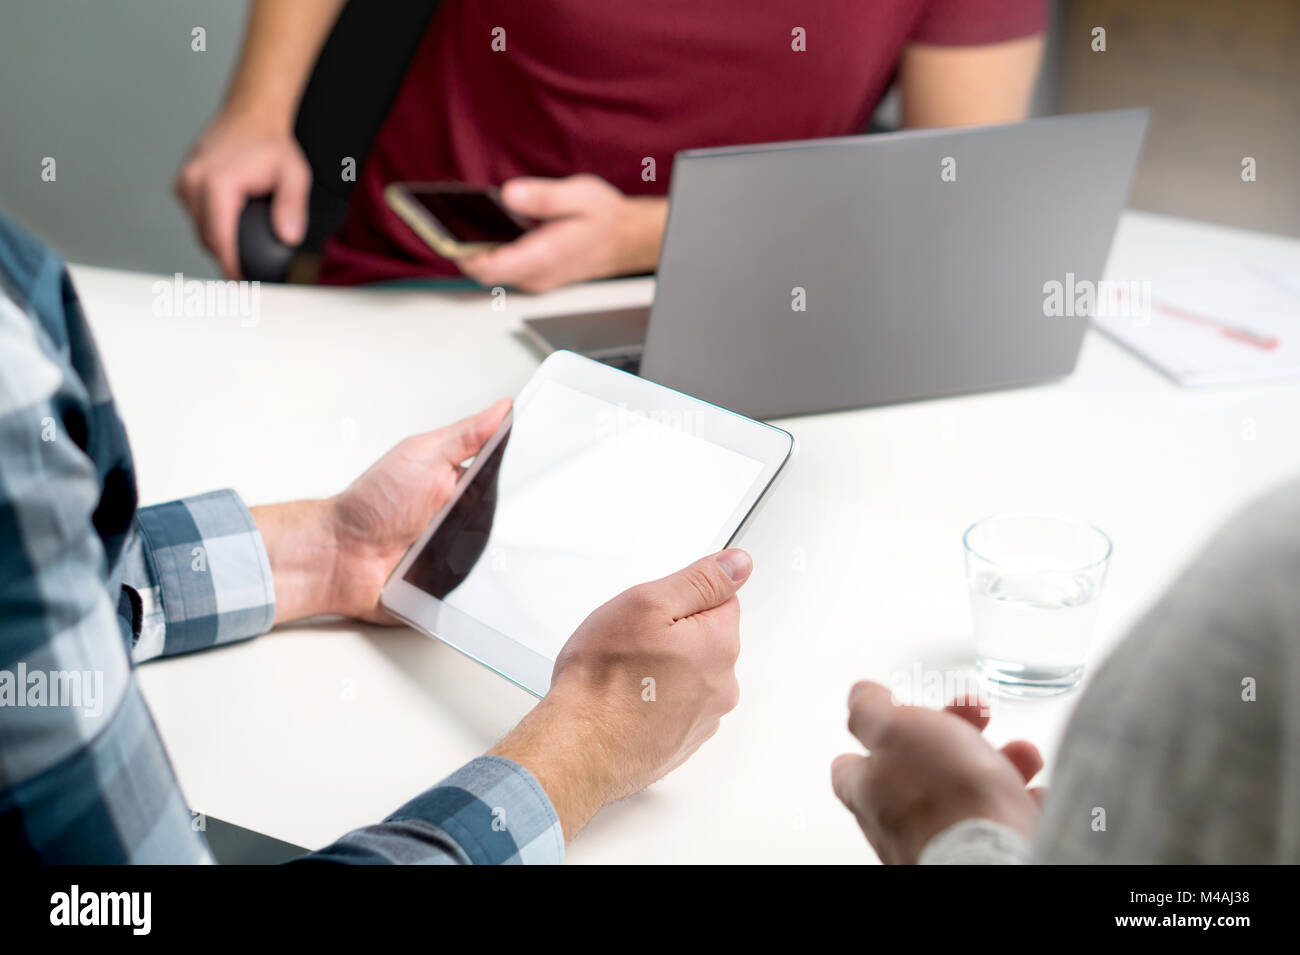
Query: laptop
(841, 273)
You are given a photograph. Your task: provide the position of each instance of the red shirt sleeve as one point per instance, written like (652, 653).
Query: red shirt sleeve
(971, 22)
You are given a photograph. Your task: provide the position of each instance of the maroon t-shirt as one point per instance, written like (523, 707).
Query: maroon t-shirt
(598, 86)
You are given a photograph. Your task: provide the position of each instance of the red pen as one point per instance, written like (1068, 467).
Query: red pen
(1237, 333)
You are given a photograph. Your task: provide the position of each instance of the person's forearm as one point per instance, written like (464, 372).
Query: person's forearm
(281, 43)
(647, 216)
(560, 745)
(302, 549)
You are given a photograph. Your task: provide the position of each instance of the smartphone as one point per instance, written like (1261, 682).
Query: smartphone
(454, 219)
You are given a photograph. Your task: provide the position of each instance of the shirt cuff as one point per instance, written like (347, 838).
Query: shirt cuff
(200, 571)
(489, 812)
(976, 842)
(495, 811)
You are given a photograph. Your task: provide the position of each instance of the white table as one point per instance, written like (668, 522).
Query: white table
(310, 731)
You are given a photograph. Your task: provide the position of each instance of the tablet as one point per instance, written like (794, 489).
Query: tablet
(596, 481)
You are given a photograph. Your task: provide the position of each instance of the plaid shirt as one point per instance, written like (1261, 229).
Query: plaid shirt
(90, 585)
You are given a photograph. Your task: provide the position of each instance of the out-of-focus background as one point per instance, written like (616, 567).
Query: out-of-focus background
(114, 93)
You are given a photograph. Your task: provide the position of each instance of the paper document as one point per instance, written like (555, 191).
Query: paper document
(1230, 324)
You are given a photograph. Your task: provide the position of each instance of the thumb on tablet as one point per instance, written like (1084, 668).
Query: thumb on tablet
(709, 582)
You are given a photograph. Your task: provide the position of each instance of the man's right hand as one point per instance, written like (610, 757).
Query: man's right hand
(640, 685)
(237, 158)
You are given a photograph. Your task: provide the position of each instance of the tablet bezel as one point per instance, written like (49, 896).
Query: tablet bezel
(770, 446)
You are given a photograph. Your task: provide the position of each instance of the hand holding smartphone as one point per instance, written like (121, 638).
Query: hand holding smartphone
(454, 219)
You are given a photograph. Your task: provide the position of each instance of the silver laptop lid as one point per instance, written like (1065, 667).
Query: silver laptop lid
(826, 274)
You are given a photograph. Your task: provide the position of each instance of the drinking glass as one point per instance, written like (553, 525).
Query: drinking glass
(1034, 583)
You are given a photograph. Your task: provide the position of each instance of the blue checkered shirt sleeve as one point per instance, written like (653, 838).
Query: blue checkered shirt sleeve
(196, 575)
(490, 811)
(90, 584)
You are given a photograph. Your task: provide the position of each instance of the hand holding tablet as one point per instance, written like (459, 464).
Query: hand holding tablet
(638, 688)
(598, 481)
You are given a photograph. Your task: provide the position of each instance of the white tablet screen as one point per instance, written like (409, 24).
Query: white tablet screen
(581, 500)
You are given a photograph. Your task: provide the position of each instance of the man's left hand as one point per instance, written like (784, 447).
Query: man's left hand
(334, 556)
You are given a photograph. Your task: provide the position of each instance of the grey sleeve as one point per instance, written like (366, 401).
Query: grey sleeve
(976, 842)
(1186, 746)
